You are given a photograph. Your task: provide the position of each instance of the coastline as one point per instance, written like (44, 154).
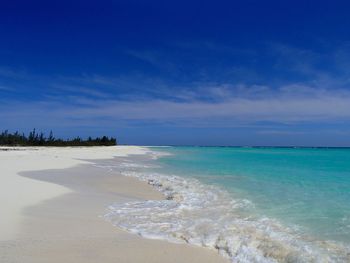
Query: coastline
(207, 215)
(64, 224)
(23, 192)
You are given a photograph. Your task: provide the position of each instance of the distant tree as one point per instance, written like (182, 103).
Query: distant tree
(38, 139)
(51, 138)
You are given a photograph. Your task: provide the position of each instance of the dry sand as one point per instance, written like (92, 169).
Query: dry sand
(58, 215)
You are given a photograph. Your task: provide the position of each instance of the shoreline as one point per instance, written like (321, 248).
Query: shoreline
(68, 226)
(24, 192)
(206, 215)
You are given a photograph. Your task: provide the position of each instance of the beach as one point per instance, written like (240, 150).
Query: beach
(53, 202)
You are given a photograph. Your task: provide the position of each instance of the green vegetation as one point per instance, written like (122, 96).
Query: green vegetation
(39, 139)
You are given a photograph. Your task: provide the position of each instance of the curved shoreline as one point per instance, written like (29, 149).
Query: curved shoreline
(67, 227)
(207, 216)
(23, 192)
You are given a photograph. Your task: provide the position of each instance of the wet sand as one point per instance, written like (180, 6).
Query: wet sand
(69, 227)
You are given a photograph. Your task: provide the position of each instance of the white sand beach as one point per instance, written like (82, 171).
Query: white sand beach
(52, 200)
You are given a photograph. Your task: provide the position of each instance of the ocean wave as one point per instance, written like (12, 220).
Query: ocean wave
(204, 215)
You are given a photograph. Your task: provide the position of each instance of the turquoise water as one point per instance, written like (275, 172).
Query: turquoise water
(262, 205)
(304, 188)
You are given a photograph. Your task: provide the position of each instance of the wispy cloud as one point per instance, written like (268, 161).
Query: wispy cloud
(4, 88)
(285, 106)
(14, 74)
(324, 96)
(80, 90)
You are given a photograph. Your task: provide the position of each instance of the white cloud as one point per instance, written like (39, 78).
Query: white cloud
(286, 105)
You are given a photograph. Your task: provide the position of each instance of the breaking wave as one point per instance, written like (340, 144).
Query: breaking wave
(204, 215)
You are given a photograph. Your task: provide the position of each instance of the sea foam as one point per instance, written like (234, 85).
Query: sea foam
(203, 215)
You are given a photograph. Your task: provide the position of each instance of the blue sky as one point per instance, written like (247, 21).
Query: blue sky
(178, 72)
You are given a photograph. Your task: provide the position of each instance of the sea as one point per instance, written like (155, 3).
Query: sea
(251, 204)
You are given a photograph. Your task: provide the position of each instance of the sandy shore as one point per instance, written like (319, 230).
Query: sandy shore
(53, 200)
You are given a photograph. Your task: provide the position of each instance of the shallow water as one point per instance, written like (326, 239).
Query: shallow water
(252, 204)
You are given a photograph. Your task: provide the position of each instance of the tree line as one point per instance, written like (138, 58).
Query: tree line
(39, 139)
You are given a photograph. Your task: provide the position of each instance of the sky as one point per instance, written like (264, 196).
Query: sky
(178, 72)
